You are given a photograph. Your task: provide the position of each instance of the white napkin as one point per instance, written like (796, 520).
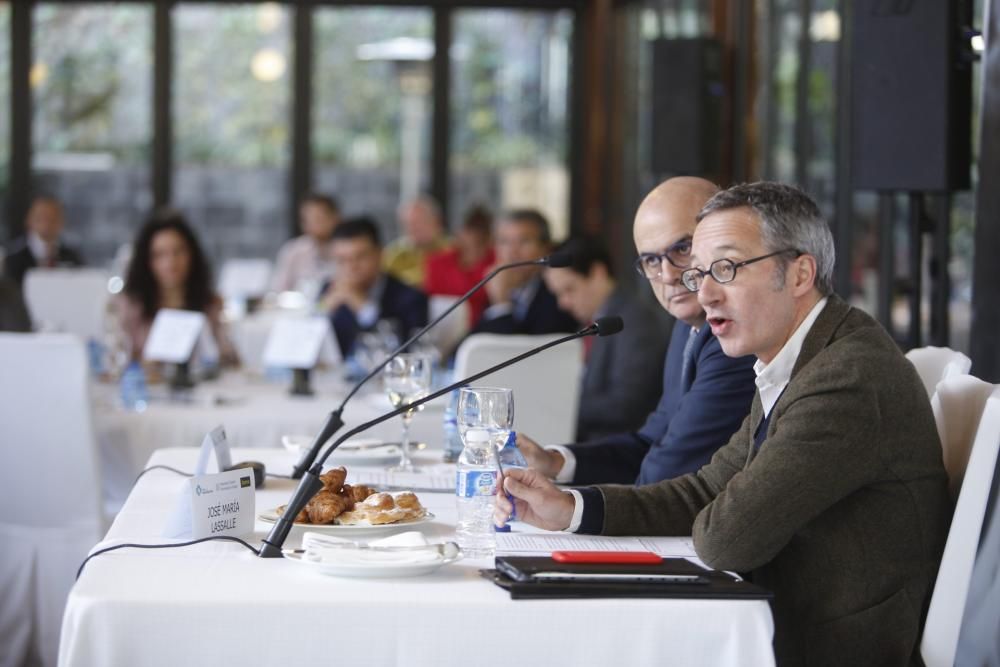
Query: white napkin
(329, 549)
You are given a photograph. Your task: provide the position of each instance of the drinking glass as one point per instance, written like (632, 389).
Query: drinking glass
(490, 408)
(407, 378)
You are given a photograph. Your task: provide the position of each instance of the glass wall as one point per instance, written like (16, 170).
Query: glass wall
(372, 107)
(4, 117)
(91, 79)
(231, 120)
(510, 94)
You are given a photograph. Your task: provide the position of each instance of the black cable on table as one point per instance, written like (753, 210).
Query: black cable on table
(161, 467)
(191, 474)
(227, 538)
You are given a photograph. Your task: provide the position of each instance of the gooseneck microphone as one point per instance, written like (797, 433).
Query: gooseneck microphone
(311, 484)
(334, 420)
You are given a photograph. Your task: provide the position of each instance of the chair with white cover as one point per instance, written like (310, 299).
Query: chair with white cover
(934, 364)
(49, 487)
(546, 386)
(958, 406)
(951, 589)
(450, 331)
(68, 300)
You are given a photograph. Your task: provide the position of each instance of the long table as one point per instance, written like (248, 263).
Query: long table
(217, 603)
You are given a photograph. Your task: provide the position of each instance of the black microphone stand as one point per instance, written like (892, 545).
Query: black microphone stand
(311, 483)
(334, 420)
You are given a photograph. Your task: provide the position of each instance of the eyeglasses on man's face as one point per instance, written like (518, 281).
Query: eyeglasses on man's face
(650, 265)
(723, 270)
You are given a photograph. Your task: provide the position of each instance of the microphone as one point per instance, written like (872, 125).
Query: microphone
(311, 484)
(334, 420)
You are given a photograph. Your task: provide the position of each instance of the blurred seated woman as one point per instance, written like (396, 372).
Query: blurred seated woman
(169, 270)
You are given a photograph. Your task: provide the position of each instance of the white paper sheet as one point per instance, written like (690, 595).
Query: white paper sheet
(419, 481)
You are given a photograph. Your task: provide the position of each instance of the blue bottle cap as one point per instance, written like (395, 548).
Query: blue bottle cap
(498, 529)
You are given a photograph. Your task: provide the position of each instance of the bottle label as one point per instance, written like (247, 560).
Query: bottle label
(473, 483)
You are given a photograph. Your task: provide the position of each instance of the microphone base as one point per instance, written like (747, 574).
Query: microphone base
(300, 383)
(268, 550)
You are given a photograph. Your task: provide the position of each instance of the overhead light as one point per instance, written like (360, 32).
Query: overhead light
(268, 65)
(268, 17)
(39, 74)
(825, 26)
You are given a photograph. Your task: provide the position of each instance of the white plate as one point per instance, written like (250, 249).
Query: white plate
(335, 569)
(356, 450)
(271, 516)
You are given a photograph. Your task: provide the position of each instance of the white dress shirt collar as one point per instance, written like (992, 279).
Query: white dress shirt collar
(772, 378)
(40, 249)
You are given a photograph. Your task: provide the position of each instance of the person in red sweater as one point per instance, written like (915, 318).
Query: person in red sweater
(454, 271)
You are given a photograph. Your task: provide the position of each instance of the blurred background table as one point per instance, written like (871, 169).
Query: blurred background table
(254, 412)
(217, 603)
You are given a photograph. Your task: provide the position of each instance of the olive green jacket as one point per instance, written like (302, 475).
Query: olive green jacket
(842, 513)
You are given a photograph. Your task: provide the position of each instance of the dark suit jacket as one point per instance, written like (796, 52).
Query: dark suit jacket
(400, 304)
(696, 415)
(13, 312)
(543, 316)
(20, 260)
(622, 374)
(842, 513)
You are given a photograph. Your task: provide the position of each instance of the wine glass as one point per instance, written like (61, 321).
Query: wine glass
(407, 377)
(490, 408)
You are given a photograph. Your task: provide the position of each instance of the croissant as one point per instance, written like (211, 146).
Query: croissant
(333, 479)
(326, 506)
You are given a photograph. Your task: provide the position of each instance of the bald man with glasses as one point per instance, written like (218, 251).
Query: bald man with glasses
(705, 393)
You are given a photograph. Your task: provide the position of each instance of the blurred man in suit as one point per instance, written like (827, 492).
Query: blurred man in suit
(832, 493)
(705, 394)
(520, 303)
(41, 246)
(362, 295)
(622, 374)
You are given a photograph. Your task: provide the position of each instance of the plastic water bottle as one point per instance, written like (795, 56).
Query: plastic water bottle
(475, 489)
(133, 388)
(95, 357)
(511, 457)
(452, 440)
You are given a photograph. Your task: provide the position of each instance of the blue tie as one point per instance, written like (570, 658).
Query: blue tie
(687, 355)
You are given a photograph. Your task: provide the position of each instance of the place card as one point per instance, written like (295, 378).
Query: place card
(180, 523)
(214, 442)
(222, 504)
(299, 342)
(173, 336)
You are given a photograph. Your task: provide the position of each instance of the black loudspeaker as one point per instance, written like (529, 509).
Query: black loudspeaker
(687, 107)
(911, 92)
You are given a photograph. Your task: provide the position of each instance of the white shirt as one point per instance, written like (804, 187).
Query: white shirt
(40, 249)
(301, 260)
(772, 378)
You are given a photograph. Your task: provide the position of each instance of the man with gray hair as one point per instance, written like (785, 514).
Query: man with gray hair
(832, 493)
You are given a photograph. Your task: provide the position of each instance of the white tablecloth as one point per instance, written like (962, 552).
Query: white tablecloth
(217, 603)
(254, 413)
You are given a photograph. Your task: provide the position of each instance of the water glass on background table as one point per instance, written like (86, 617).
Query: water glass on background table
(407, 378)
